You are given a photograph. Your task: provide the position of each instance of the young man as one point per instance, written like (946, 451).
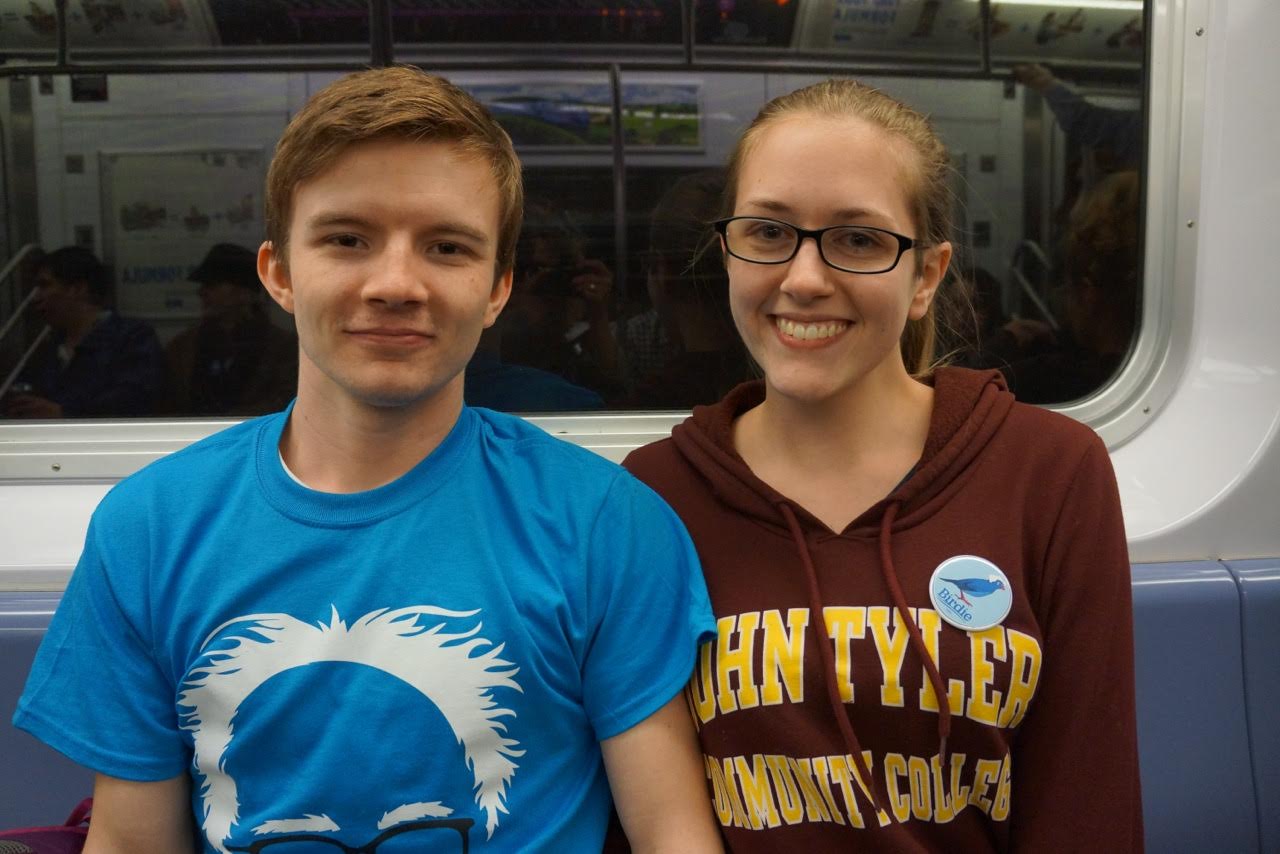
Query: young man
(379, 619)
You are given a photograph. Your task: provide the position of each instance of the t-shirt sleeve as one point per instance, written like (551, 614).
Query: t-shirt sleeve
(648, 605)
(1075, 762)
(96, 691)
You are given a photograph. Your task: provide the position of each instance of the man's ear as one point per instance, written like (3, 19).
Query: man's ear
(933, 267)
(274, 274)
(498, 297)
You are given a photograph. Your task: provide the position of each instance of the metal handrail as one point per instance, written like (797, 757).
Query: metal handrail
(1025, 285)
(22, 363)
(7, 271)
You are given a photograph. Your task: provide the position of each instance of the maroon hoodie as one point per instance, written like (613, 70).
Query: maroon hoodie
(825, 741)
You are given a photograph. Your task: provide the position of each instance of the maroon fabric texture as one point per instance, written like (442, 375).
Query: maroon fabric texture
(1040, 748)
(63, 839)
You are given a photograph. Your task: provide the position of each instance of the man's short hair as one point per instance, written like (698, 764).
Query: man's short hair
(72, 264)
(401, 102)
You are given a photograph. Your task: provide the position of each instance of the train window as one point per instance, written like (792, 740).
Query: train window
(617, 304)
(536, 22)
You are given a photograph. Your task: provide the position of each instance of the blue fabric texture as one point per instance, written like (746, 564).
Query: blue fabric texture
(434, 658)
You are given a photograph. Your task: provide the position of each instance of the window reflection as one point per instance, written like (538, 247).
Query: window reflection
(1048, 163)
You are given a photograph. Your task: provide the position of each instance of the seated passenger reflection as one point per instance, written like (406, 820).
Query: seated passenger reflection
(94, 363)
(235, 361)
(1101, 278)
(558, 317)
(689, 289)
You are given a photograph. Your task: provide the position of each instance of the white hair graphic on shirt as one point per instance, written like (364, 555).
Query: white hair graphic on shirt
(410, 644)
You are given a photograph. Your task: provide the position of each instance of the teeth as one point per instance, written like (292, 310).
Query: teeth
(811, 331)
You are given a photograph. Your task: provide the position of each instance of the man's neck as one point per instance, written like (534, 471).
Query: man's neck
(342, 446)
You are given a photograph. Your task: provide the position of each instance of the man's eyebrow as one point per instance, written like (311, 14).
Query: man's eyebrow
(460, 229)
(341, 219)
(312, 824)
(413, 812)
(329, 220)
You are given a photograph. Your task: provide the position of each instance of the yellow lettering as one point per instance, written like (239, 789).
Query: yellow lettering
(918, 774)
(784, 655)
(790, 804)
(943, 806)
(735, 802)
(1024, 676)
(1000, 808)
(930, 626)
(981, 708)
(821, 776)
(892, 649)
(959, 794)
(701, 688)
(738, 660)
(841, 774)
(985, 773)
(815, 809)
(895, 766)
(756, 791)
(719, 791)
(844, 624)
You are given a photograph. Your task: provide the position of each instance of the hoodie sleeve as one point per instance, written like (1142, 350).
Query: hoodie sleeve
(1075, 758)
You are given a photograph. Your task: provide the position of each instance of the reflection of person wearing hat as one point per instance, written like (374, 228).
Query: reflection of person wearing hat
(235, 361)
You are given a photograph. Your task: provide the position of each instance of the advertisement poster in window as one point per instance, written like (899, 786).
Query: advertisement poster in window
(163, 210)
(556, 115)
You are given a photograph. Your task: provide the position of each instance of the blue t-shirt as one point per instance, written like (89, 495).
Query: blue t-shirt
(432, 659)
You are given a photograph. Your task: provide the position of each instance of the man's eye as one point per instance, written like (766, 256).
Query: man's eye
(346, 241)
(452, 249)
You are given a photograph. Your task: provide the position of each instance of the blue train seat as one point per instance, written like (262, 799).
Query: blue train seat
(1259, 582)
(38, 785)
(1197, 785)
(1210, 758)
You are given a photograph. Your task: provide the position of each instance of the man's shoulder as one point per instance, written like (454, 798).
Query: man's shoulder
(525, 457)
(200, 469)
(536, 447)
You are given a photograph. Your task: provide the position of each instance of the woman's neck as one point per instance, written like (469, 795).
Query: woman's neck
(840, 455)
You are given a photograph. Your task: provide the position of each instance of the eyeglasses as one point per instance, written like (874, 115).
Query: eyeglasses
(850, 248)
(307, 843)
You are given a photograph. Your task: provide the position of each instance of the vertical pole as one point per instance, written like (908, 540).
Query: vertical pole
(381, 42)
(619, 186)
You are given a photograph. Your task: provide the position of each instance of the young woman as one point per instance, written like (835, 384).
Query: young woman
(877, 535)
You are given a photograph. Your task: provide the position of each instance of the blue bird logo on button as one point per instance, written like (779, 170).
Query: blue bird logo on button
(970, 592)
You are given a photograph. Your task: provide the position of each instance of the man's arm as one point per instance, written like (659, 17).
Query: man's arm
(140, 818)
(655, 771)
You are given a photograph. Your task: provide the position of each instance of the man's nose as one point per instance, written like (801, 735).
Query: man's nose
(396, 277)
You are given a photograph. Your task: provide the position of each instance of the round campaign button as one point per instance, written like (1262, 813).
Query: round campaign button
(970, 593)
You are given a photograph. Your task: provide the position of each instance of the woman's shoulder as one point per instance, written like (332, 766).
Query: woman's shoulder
(1053, 448)
(650, 462)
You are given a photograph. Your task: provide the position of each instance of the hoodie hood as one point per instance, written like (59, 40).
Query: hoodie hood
(968, 409)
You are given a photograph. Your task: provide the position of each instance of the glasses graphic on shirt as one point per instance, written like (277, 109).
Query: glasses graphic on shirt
(414, 837)
(850, 248)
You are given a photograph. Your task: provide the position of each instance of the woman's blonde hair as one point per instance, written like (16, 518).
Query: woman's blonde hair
(929, 195)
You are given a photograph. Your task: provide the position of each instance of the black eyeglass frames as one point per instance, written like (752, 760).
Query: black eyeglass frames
(849, 248)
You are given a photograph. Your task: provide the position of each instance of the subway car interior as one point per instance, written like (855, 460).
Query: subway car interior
(1113, 162)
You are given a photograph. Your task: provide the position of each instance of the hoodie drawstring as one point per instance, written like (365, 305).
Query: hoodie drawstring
(828, 660)
(828, 655)
(913, 628)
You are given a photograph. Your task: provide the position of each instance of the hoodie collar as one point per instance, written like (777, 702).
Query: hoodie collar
(968, 408)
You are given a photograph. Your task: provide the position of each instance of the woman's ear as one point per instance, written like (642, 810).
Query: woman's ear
(274, 274)
(933, 268)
